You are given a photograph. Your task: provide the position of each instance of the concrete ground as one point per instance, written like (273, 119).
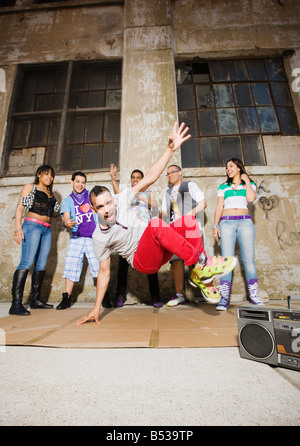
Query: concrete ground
(143, 387)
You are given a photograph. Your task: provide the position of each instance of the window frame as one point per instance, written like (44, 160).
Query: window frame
(62, 114)
(201, 78)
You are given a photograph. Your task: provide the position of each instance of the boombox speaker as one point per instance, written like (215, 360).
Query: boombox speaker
(269, 335)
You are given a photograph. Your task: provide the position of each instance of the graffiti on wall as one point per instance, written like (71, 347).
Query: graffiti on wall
(268, 204)
(285, 237)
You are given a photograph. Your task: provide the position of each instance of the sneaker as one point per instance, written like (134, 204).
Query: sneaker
(156, 302)
(120, 302)
(194, 280)
(256, 301)
(208, 291)
(214, 267)
(253, 292)
(176, 300)
(65, 303)
(223, 304)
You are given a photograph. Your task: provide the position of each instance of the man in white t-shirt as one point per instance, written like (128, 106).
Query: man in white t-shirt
(147, 248)
(183, 198)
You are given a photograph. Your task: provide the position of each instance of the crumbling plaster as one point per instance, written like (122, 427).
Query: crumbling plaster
(214, 28)
(39, 36)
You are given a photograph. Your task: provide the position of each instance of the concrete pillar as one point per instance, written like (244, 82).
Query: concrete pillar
(292, 66)
(149, 93)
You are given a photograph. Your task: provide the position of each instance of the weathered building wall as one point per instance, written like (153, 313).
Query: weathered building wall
(50, 33)
(148, 36)
(216, 28)
(275, 214)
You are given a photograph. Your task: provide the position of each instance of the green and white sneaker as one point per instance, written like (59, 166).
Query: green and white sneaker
(176, 300)
(208, 291)
(214, 267)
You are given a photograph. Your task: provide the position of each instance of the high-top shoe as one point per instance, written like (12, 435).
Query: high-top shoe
(65, 303)
(214, 267)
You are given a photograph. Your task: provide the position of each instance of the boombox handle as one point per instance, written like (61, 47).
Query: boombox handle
(289, 298)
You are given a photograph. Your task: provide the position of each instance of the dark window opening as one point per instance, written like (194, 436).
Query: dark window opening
(72, 110)
(7, 3)
(229, 106)
(37, 2)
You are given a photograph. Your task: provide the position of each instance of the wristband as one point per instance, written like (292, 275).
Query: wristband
(214, 227)
(18, 230)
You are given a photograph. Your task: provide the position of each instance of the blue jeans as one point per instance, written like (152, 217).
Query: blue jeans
(244, 232)
(35, 246)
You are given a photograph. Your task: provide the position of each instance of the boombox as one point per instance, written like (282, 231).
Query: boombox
(269, 335)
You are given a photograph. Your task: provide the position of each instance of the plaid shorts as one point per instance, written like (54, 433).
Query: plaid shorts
(77, 249)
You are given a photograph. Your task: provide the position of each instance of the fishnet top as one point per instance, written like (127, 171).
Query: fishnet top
(39, 203)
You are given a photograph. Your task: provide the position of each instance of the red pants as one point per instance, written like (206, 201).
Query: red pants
(161, 241)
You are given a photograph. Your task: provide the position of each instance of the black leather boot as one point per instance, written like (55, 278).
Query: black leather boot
(65, 303)
(19, 280)
(36, 285)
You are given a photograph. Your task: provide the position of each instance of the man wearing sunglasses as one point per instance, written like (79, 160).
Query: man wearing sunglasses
(184, 198)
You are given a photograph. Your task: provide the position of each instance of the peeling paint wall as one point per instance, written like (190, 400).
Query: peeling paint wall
(32, 36)
(148, 36)
(220, 28)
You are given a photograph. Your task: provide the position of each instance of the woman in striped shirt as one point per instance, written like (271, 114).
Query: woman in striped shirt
(232, 222)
